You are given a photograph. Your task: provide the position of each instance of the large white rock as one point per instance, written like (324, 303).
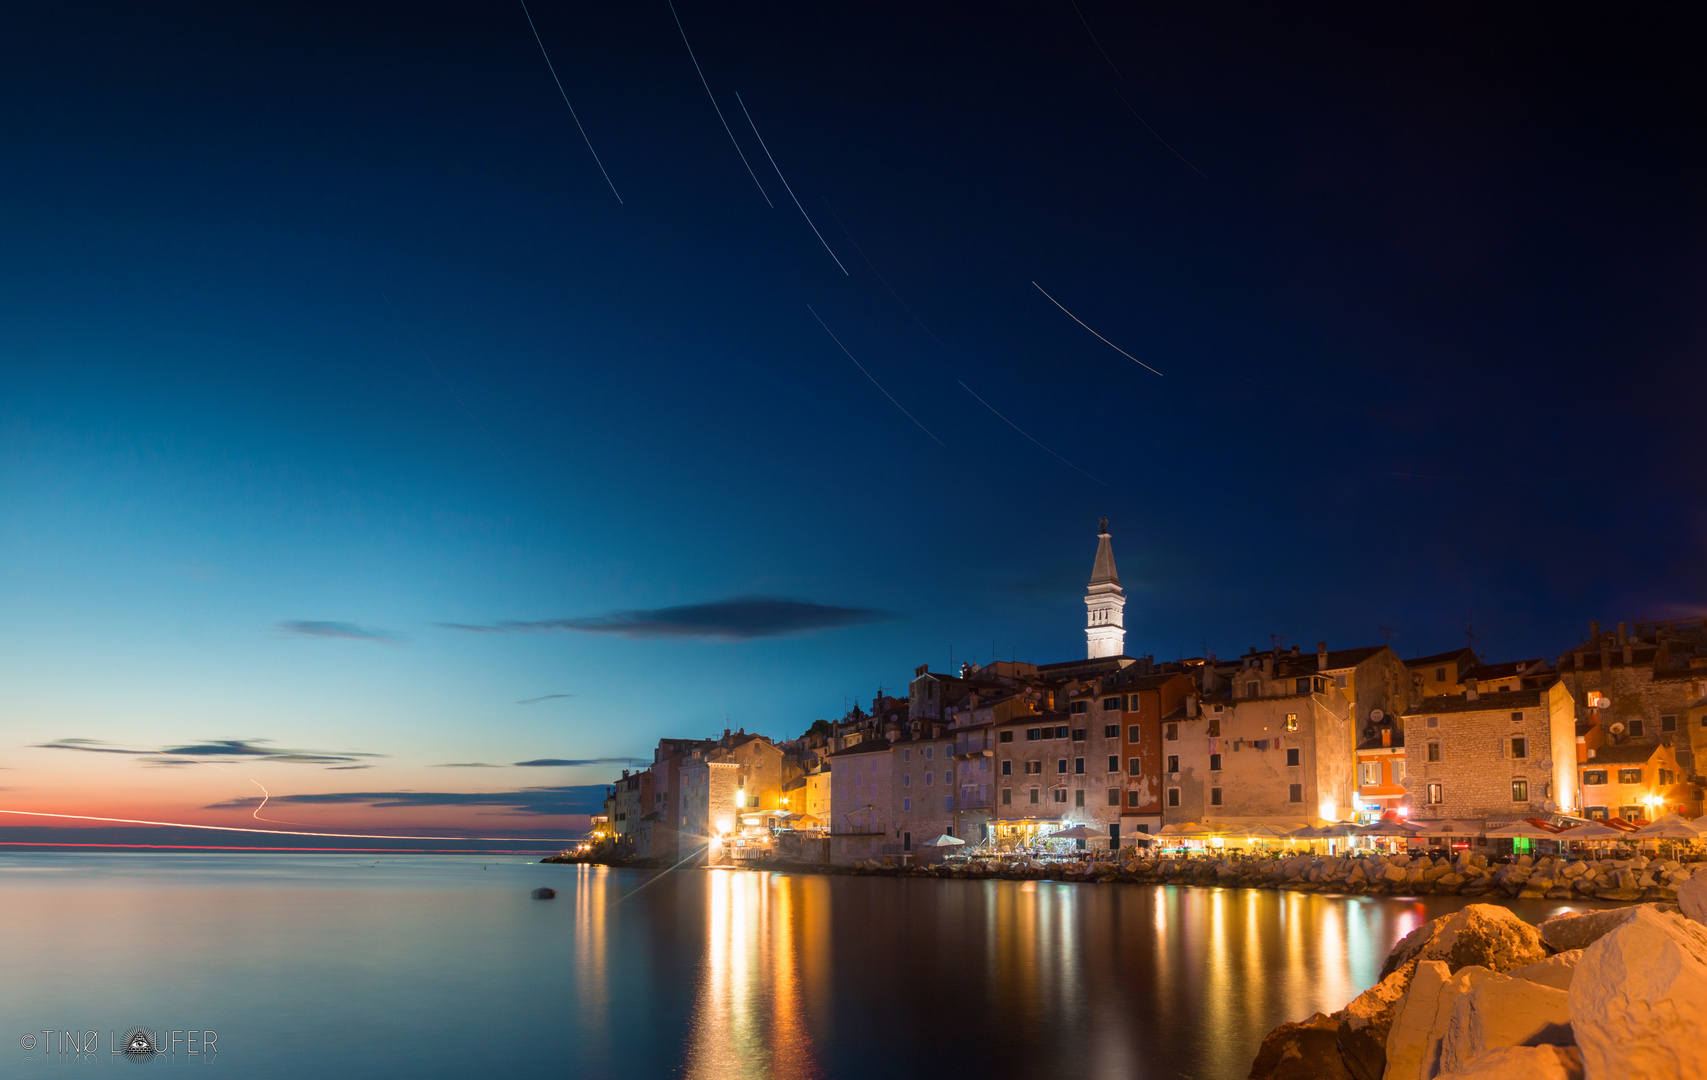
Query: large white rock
(1555, 971)
(1498, 1010)
(1580, 929)
(1692, 897)
(1411, 1053)
(1523, 1063)
(1639, 1000)
(1485, 935)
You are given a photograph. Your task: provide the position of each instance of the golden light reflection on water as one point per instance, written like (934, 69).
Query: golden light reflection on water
(766, 954)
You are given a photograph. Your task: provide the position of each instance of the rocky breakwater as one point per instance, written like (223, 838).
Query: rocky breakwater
(1613, 994)
(1627, 880)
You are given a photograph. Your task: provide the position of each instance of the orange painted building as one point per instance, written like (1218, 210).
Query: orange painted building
(1380, 772)
(1146, 703)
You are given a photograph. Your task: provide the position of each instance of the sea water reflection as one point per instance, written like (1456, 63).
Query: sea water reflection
(425, 967)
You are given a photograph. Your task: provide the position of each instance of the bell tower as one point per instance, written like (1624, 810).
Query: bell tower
(1105, 626)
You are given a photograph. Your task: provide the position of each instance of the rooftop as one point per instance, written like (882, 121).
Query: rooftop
(1630, 753)
(1495, 702)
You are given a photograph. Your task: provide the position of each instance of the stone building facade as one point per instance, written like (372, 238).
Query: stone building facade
(1476, 755)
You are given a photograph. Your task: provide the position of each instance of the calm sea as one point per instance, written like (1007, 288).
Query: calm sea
(348, 966)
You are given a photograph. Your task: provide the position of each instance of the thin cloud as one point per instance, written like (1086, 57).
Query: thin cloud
(317, 629)
(252, 749)
(739, 619)
(543, 801)
(551, 762)
(542, 697)
(340, 768)
(466, 765)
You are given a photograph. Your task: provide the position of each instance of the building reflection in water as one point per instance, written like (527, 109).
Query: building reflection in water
(764, 972)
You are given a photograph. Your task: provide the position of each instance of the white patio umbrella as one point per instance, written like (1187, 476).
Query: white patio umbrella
(1523, 830)
(1077, 832)
(1669, 827)
(1594, 830)
(1388, 828)
(1185, 830)
(944, 840)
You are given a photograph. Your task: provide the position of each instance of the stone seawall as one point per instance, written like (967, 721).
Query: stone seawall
(1626, 880)
(1610, 994)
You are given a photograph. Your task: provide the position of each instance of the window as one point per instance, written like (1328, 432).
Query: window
(1251, 689)
(1114, 796)
(906, 779)
(1173, 763)
(1439, 674)
(1079, 797)
(1133, 767)
(948, 802)
(1294, 756)
(1005, 736)
(1007, 768)
(1034, 796)
(1668, 723)
(1032, 734)
(1301, 686)
(1078, 706)
(1517, 718)
(1368, 773)
(1398, 767)
(1114, 763)
(1007, 796)
(1110, 704)
(906, 755)
(1520, 791)
(1594, 777)
(1597, 813)
(1173, 733)
(1215, 724)
(1629, 776)
(1078, 734)
(1630, 813)
(1060, 765)
(1434, 721)
(1034, 768)
(1504, 687)
(948, 776)
(1519, 747)
(1132, 734)
(752, 802)
(907, 805)
(1638, 728)
(1214, 762)
(1295, 793)
(930, 778)
(1291, 721)
(1434, 751)
(1666, 778)
(1079, 765)
(1060, 795)
(1173, 796)
(906, 841)
(1214, 796)
(1111, 731)
(1435, 795)
(1339, 681)
(1061, 732)
(1132, 800)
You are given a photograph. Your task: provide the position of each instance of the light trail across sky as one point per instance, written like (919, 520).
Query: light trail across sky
(274, 832)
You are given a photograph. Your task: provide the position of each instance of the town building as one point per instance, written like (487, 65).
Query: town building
(1440, 674)
(861, 797)
(1644, 679)
(1636, 781)
(1499, 755)
(1136, 715)
(1381, 772)
(1275, 748)
(1051, 774)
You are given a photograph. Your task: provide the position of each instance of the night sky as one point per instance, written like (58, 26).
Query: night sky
(344, 409)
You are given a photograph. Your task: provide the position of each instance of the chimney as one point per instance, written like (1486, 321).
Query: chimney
(1386, 736)
(1294, 650)
(1470, 693)
(1606, 655)
(1191, 704)
(1629, 653)
(725, 733)
(1594, 629)
(1321, 656)
(1268, 666)
(1623, 633)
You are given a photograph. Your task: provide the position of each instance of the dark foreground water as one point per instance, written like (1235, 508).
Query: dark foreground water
(340, 966)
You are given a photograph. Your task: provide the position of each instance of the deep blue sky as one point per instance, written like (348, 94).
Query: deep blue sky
(1427, 299)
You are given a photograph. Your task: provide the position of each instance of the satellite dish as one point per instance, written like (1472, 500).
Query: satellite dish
(1377, 715)
(1617, 727)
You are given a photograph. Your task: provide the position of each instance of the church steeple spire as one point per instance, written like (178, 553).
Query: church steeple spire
(1105, 601)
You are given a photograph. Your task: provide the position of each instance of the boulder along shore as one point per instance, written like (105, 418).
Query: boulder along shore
(1610, 994)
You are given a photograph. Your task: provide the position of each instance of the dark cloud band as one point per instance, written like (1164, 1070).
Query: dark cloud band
(545, 801)
(740, 619)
